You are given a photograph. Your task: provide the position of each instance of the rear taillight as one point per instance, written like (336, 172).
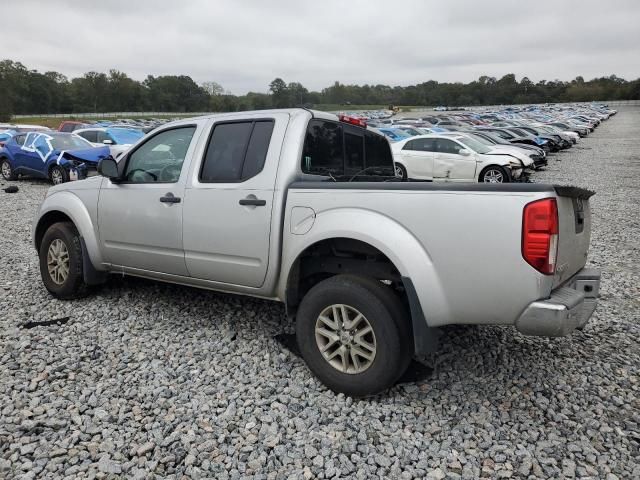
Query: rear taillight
(540, 235)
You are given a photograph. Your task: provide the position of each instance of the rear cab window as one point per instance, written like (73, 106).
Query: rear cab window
(236, 151)
(342, 151)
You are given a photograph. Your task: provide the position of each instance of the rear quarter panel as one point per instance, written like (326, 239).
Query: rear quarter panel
(462, 250)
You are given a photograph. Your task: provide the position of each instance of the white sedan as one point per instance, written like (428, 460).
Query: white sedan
(452, 158)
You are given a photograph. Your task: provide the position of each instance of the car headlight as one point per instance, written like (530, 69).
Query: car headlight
(514, 163)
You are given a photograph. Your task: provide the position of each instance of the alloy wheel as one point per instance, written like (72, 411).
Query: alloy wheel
(58, 261)
(56, 176)
(493, 176)
(6, 169)
(345, 339)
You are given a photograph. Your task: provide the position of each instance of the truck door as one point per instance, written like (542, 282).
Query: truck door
(140, 219)
(229, 200)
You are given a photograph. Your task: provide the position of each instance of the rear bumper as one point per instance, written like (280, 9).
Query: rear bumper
(568, 308)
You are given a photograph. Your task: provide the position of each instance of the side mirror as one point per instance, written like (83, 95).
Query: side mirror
(464, 152)
(108, 167)
(106, 141)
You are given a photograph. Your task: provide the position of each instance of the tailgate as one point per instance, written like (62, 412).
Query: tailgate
(574, 216)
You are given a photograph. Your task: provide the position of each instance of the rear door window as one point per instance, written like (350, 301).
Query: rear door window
(421, 145)
(236, 151)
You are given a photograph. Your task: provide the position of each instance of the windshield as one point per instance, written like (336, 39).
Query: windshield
(125, 136)
(68, 142)
(496, 138)
(474, 145)
(412, 131)
(480, 139)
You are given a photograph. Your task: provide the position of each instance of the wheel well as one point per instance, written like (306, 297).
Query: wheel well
(337, 256)
(45, 222)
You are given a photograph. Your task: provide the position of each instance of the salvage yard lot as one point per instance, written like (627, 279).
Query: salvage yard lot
(146, 378)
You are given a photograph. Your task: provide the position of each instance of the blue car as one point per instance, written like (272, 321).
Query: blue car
(394, 134)
(6, 135)
(58, 156)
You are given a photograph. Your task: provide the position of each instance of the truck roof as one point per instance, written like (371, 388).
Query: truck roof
(290, 111)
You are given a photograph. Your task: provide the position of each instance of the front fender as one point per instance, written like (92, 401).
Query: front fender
(71, 205)
(409, 256)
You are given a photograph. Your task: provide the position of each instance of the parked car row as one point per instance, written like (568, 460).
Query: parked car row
(61, 156)
(492, 146)
(143, 124)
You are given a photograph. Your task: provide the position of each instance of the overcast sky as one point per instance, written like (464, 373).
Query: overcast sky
(244, 44)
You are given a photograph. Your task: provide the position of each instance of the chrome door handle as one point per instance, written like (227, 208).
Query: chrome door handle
(256, 202)
(170, 198)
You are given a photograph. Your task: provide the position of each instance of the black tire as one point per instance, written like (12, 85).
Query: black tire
(7, 169)
(73, 286)
(58, 175)
(399, 169)
(386, 316)
(498, 170)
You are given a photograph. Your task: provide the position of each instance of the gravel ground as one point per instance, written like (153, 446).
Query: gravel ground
(147, 380)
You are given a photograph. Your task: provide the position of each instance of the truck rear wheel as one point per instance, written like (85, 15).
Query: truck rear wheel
(353, 334)
(61, 261)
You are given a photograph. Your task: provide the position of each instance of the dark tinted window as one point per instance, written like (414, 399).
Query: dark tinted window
(447, 146)
(377, 150)
(323, 148)
(354, 152)
(69, 127)
(236, 151)
(344, 150)
(20, 139)
(91, 136)
(257, 149)
(421, 145)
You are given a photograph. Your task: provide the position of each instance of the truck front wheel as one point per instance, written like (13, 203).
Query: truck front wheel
(353, 334)
(61, 261)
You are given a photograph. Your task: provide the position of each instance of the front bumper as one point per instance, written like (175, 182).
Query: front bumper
(568, 308)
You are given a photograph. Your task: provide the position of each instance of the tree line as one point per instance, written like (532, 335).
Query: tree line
(25, 91)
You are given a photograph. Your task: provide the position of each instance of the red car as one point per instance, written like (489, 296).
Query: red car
(69, 126)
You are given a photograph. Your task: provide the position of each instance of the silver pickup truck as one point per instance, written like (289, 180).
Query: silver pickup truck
(302, 207)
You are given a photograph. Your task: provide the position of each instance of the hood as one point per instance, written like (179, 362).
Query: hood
(88, 155)
(512, 152)
(90, 183)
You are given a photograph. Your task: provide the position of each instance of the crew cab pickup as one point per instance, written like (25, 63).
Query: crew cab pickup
(304, 208)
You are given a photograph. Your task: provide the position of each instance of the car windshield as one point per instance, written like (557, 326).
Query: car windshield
(68, 142)
(496, 138)
(474, 145)
(125, 136)
(480, 139)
